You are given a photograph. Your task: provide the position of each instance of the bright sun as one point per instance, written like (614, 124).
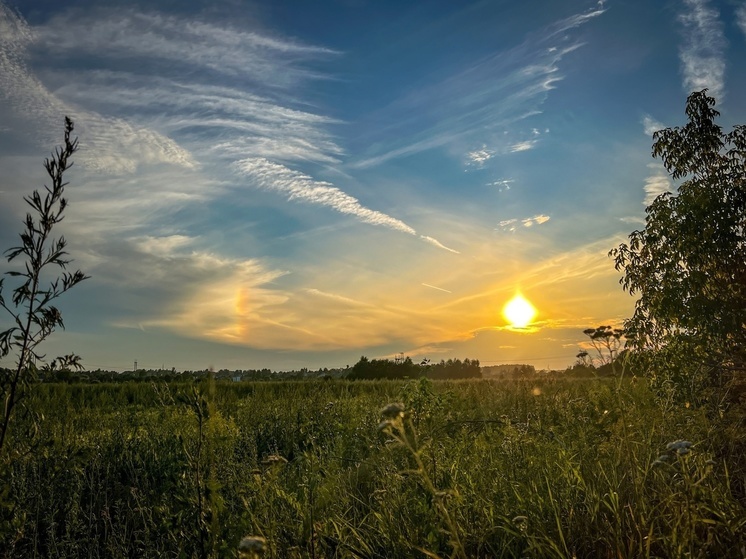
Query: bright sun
(519, 312)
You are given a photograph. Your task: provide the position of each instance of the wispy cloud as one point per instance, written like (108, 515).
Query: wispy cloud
(633, 220)
(651, 126)
(657, 183)
(502, 184)
(475, 104)
(511, 225)
(298, 186)
(437, 243)
(238, 123)
(479, 157)
(523, 146)
(109, 144)
(701, 51)
(741, 17)
(174, 90)
(129, 34)
(536, 220)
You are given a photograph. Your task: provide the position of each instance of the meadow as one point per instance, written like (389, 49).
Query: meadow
(543, 467)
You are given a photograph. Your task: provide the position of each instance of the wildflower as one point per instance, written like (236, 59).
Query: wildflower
(252, 545)
(662, 459)
(392, 411)
(384, 424)
(681, 451)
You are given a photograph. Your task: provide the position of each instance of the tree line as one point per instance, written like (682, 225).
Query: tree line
(402, 368)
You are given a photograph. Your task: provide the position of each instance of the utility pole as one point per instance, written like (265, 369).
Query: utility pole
(135, 369)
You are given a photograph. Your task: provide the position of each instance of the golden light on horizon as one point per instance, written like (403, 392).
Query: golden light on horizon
(519, 312)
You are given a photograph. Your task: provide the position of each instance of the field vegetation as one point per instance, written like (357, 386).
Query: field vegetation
(529, 468)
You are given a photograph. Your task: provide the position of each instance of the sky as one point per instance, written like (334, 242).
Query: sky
(293, 184)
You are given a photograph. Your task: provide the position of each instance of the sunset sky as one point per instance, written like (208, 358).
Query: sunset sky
(291, 184)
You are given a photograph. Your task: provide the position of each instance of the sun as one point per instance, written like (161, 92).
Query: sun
(519, 312)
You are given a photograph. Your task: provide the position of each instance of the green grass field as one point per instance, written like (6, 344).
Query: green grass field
(545, 468)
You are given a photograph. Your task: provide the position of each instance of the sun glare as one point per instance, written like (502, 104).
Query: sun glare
(519, 312)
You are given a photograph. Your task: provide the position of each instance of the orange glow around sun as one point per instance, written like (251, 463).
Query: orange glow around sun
(519, 312)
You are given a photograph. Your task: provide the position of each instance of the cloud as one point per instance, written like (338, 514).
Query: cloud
(188, 288)
(741, 17)
(211, 297)
(129, 34)
(633, 220)
(235, 123)
(479, 157)
(437, 243)
(657, 183)
(522, 146)
(651, 126)
(239, 100)
(502, 184)
(295, 185)
(511, 225)
(473, 105)
(162, 246)
(108, 144)
(536, 220)
(701, 52)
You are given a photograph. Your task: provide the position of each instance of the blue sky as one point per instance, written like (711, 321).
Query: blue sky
(287, 184)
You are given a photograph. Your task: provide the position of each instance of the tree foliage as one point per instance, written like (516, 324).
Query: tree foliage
(30, 308)
(688, 264)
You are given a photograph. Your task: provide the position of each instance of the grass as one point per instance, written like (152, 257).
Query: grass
(544, 468)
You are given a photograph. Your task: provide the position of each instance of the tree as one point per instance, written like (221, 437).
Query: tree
(606, 341)
(688, 265)
(30, 308)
